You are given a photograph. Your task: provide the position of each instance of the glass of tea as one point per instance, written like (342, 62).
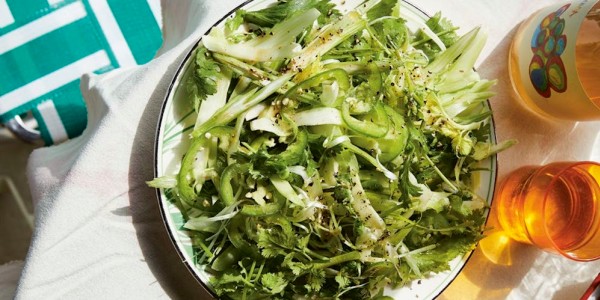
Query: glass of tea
(554, 61)
(555, 207)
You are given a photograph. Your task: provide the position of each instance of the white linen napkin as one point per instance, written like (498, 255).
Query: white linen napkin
(98, 231)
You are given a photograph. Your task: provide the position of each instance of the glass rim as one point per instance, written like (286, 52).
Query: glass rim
(570, 166)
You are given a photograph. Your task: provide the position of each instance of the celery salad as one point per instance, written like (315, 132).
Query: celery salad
(333, 152)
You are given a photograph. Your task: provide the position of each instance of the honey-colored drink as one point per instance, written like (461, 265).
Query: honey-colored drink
(554, 61)
(587, 54)
(555, 207)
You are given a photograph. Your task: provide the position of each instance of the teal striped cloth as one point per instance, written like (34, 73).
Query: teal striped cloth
(46, 45)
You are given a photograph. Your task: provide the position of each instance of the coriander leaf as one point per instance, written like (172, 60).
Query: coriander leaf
(382, 9)
(227, 282)
(444, 28)
(272, 243)
(342, 280)
(274, 14)
(445, 31)
(437, 259)
(203, 82)
(392, 32)
(274, 283)
(315, 280)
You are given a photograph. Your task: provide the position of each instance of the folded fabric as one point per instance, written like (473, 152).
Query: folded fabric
(98, 232)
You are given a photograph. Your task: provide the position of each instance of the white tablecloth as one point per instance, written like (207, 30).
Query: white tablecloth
(98, 231)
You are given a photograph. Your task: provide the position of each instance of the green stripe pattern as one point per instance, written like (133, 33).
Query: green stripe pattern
(66, 45)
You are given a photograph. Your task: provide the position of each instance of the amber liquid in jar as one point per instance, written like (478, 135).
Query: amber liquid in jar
(587, 54)
(537, 206)
(586, 67)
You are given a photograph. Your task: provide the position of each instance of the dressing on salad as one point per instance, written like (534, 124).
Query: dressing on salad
(333, 152)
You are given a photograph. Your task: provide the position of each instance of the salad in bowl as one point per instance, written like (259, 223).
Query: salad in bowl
(310, 149)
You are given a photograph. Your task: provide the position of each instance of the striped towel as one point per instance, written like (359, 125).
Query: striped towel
(46, 45)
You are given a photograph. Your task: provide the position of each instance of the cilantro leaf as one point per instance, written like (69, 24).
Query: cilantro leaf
(274, 283)
(272, 15)
(392, 32)
(315, 280)
(202, 83)
(382, 9)
(443, 28)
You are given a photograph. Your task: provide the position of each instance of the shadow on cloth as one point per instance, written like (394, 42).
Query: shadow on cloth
(156, 245)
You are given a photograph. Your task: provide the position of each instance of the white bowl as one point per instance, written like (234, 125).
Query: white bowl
(176, 120)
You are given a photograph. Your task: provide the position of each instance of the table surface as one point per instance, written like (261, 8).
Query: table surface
(98, 231)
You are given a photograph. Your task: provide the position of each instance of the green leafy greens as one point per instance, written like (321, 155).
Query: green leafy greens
(333, 153)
